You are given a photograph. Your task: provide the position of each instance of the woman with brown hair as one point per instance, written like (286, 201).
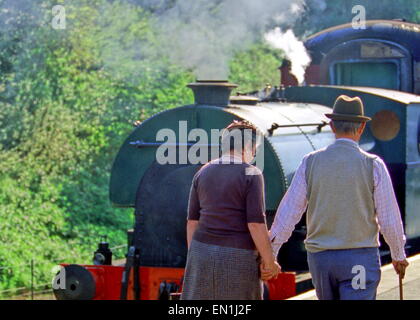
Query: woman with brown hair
(227, 235)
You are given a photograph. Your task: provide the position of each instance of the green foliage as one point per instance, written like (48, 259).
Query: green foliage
(254, 68)
(66, 107)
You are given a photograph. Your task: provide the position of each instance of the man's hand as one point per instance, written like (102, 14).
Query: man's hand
(269, 270)
(400, 267)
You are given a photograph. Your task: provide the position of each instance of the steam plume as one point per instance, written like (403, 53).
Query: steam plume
(293, 48)
(203, 35)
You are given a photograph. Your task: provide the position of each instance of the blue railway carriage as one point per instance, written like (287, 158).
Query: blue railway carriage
(383, 54)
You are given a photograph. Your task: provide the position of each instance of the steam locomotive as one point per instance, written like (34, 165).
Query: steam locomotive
(380, 63)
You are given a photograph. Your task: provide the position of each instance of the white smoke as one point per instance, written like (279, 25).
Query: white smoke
(293, 48)
(203, 35)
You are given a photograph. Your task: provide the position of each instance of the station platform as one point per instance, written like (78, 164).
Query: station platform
(389, 286)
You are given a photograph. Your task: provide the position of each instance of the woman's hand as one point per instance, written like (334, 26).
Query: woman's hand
(265, 274)
(269, 270)
(269, 267)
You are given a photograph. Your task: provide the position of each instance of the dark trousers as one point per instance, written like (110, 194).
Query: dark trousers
(349, 274)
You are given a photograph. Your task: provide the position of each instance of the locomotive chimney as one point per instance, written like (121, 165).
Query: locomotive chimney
(212, 92)
(286, 77)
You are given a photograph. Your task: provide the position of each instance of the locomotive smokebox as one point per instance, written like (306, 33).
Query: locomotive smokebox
(212, 92)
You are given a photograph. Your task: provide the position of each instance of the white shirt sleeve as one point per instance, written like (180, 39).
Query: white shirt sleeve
(388, 213)
(290, 210)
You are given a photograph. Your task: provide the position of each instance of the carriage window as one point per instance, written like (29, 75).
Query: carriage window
(367, 74)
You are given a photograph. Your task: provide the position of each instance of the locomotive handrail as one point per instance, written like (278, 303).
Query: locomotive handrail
(275, 126)
(142, 144)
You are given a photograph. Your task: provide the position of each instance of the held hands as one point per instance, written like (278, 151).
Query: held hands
(269, 270)
(400, 267)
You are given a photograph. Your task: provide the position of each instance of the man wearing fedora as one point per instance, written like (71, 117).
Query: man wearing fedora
(348, 197)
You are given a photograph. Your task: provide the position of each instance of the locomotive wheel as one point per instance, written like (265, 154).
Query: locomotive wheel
(79, 284)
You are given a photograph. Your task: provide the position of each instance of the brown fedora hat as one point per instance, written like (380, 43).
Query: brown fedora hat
(348, 109)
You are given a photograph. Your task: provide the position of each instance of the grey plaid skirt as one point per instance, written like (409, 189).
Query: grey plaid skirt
(221, 273)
